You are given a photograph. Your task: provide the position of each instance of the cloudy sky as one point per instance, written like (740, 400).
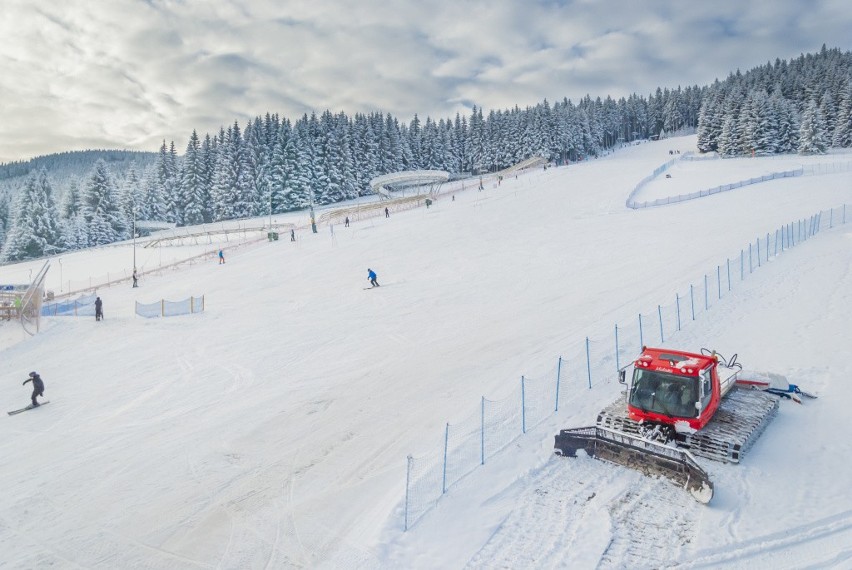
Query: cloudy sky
(79, 74)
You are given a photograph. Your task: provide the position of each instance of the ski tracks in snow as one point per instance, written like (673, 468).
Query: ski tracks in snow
(826, 543)
(627, 522)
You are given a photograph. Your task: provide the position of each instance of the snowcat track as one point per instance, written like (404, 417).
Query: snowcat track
(647, 457)
(741, 418)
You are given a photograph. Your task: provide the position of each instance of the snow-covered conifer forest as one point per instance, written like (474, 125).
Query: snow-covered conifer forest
(274, 164)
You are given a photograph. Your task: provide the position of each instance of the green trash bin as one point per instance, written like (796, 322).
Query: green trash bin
(272, 236)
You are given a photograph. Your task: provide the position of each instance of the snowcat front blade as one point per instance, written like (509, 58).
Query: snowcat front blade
(647, 457)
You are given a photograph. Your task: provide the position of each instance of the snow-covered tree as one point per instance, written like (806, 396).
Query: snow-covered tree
(35, 230)
(812, 133)
(192, 183)
(100, 208)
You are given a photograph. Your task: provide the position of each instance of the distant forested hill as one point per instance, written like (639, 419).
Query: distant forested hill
(75, 165)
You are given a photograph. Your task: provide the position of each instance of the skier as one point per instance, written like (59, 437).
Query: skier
(292, 235)
(99, 309)
(221, 257)
(387, 213)
(38, 387)
(135, 279)
(346, 222)
(371, 275)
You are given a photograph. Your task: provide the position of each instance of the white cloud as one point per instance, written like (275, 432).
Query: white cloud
(130, 74)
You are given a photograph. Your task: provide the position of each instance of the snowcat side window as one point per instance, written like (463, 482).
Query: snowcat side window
(706, 388)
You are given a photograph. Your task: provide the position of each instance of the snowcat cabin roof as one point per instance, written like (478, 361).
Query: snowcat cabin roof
(675, 361)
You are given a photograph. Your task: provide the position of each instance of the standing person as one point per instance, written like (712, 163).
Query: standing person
(292, 235)
(346, 222)
(387, 213)
(99, 309)
(371, 275)
(221, 257)
(135, 279)
(38, 387)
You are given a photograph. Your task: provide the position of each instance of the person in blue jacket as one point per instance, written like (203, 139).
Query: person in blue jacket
(371, 275)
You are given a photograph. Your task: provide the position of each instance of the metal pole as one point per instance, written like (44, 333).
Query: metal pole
(588, 363)
(692, 300)
(719, 280)
(706, 294)
(617, 365)
(482, 433)
(407, 485)
(677, 304)
(728, 265)
(446, 443)
(641, 340)
(559, 370)
(660, 315)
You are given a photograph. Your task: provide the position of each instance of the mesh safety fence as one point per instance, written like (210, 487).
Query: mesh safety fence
(81, 306)
(164, 308)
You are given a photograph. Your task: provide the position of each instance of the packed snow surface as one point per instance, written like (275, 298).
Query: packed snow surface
(272, 430)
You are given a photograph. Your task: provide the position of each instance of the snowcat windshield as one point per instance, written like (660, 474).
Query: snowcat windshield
(664, 393)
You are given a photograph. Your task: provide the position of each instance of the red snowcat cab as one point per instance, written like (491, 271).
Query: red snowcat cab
(681, 398)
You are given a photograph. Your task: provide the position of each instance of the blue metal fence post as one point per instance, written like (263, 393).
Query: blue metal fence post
(757, 247)
(692, 301)
(559, 375)
(776, 243)
(617, 365)
(523, 408)
(728, 265)
(742, 266)
(706, 294)
(482, 432)
(588, 363)
(677, 304)
(750, 266)
(407, 483)
(446, 444)
(641, 340)
(719, 280)
(767, 247)
(660, 315)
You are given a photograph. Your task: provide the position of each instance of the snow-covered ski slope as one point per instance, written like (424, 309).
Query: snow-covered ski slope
(271, 431)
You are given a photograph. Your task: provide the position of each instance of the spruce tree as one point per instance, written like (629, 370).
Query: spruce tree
(100, 208)
(812, 133)
(35, 230)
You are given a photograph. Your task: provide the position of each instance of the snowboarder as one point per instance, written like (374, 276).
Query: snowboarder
(221, 257)
(99, 309)
(292, 235)
(346, 222)
(135, 279)
(371, 275)
(38, 387)
(387, 213)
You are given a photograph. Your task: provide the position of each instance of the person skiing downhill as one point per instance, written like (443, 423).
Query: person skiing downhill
(38, 387)
(371, 275)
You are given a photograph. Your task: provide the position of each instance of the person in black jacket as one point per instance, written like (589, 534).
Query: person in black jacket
(99, 309)
(38, 387)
